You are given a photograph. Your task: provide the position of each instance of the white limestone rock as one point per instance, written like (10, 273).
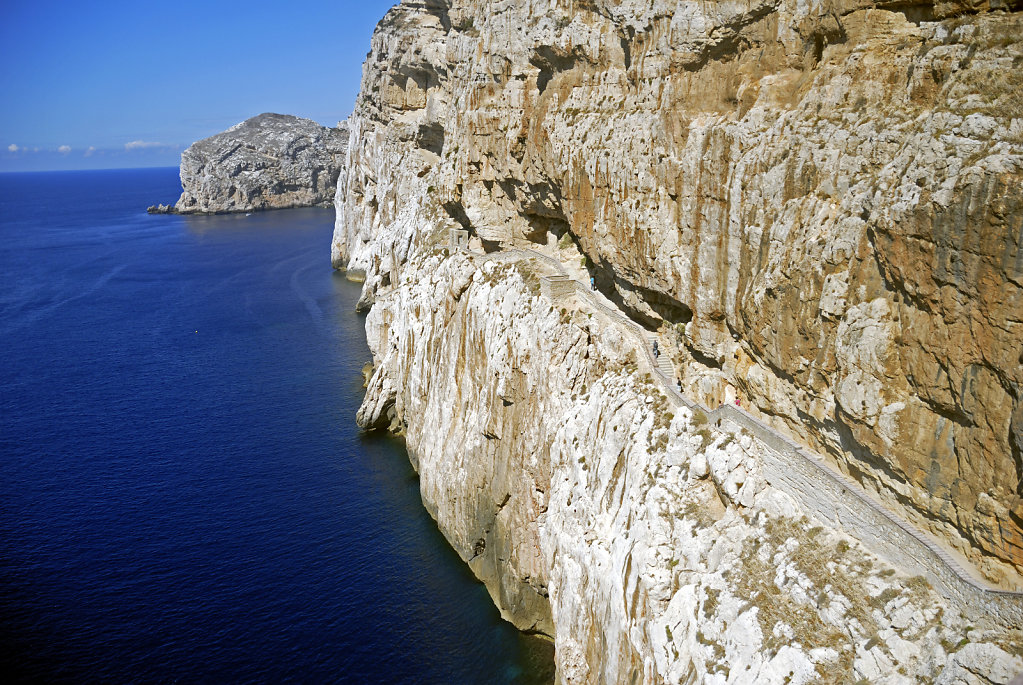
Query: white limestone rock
(768, 183)
(271, 161)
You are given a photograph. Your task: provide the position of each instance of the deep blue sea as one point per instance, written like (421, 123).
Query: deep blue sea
(184, 495)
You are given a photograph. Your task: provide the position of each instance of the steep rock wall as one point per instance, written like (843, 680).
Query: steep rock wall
(645, 542)
(818, 204)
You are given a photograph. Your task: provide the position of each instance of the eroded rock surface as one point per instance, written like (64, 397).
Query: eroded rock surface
(645, 541)
(271, 161)
(816, 204)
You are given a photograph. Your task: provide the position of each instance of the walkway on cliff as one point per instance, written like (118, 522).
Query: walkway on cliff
(893, 537)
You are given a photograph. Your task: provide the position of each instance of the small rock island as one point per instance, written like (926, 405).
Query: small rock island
(700, 322)
(271, 161)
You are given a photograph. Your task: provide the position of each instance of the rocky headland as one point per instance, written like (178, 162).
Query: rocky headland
(270, 161)
(816, 210)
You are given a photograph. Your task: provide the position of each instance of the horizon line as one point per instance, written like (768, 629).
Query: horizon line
(72, 171)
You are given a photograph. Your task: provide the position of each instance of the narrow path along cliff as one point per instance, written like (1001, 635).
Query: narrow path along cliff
(555, 463)
(835, 497)
(813, 208)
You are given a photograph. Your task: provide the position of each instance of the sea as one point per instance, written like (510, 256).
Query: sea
(184, 494)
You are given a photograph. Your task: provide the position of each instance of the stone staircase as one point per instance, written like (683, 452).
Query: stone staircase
(662, 363)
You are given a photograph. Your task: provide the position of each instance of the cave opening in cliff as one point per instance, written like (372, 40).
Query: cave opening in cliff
(915, 12)
(431, 137)
(456, 211)
(647, 307)
(550, 61)
(542, 228)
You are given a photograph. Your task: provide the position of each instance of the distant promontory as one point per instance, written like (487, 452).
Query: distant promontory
(271, 161)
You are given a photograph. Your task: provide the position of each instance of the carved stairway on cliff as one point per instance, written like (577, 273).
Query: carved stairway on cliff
(663, 364)
(815, 484)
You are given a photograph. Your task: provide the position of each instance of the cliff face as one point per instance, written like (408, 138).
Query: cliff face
(816, 206)
(271, 161)
(644, 540)
(817, 203)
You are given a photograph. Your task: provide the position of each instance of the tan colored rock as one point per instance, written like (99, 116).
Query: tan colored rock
(776, 177)
(816, 204)
(646, 542)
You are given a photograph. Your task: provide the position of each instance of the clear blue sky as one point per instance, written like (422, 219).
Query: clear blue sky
(110, 84)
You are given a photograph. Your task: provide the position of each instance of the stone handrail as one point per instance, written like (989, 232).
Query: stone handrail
(831, 495)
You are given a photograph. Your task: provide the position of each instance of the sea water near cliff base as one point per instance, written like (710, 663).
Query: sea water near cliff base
(185, 496)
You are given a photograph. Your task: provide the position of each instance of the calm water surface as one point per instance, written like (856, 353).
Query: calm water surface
(185, 496)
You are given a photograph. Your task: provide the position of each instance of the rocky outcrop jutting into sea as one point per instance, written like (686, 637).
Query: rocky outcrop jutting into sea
(271, 161)
(815, 209)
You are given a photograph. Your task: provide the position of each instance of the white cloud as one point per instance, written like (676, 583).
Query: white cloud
(141, 145)
(12, 148)
(88, 153)
(64, 149)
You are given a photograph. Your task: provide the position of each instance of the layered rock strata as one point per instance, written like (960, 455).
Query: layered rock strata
(646, 542)
(816, 206)
(271, 161)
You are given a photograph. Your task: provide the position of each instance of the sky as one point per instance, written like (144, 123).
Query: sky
(119, 84)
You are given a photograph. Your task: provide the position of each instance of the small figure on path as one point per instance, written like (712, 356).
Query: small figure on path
(737, 403)
(592, 286)
(657, 352)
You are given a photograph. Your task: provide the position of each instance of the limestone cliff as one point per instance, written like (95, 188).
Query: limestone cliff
(647, 542)
(817, 208)
(819, 202)
(271, 161)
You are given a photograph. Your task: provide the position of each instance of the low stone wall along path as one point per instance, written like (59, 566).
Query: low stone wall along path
(809, 478)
